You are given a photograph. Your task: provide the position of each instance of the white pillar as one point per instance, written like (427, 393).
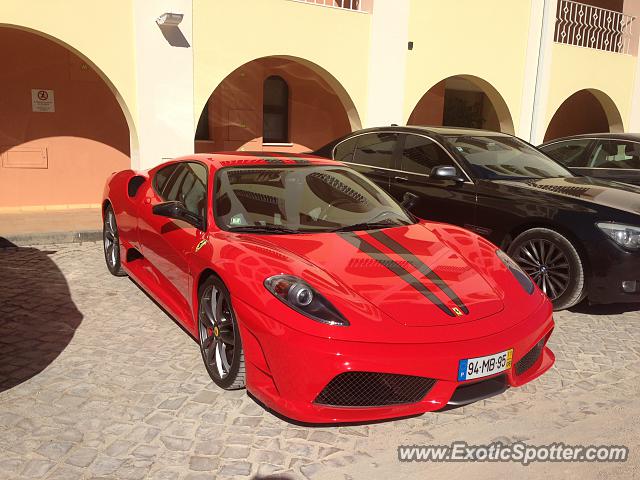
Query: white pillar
(633, 123)
(387, 63)
(164, 76)
(535, 94)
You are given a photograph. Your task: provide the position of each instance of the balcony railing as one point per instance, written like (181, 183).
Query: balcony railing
(594, 27)
(355, 5)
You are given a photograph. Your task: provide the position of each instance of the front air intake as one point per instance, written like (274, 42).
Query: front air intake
(371, 389)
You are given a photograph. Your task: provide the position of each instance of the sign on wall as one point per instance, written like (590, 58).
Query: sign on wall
(42, 100)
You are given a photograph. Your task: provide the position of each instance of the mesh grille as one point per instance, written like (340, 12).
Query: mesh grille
(370, 389)
(530, 358)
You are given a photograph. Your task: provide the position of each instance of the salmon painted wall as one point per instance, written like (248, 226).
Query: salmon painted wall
(430, 108)
(59, 158)
(316, 114)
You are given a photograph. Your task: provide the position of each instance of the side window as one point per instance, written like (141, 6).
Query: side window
(376, 149)
(186, 184)
(615, 154)
(344, 151)
(569, 153)
(162, 177)
(171, 190)
(194, 189)
(420, 155)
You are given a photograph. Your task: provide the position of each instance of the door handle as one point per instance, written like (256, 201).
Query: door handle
(401, 179)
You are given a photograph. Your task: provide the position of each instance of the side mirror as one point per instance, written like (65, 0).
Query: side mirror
(177, 211)
(409, 200)
(446, 172)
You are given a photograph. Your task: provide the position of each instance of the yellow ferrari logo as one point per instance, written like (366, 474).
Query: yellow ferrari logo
(216, 332)
(457, 311)
(200, 245)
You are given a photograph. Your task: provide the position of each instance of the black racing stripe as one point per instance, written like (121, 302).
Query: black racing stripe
(390, 264)
(418, 264)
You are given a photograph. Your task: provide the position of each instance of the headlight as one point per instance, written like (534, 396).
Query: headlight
(521, 275)
(299, 295)
(624, 235)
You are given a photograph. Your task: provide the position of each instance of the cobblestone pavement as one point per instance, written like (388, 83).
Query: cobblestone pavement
(97, 382)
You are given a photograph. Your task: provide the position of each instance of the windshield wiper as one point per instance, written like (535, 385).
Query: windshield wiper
(367, 226)
(262, 229)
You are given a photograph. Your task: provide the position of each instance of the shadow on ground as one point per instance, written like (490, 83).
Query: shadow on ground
(610, 309)
(37, 315)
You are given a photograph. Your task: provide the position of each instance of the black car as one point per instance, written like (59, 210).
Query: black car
(576, 236)
(614, 156)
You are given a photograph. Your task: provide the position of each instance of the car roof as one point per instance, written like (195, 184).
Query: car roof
(605, 135)
(445, 131)
(239, 158)
(433, 129)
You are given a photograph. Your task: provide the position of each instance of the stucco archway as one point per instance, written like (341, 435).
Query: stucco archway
(586, 111)
(60, 153)
(319, 108)
(463, 101)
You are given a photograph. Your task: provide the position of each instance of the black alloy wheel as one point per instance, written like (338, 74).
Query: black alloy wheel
(220, 342)
(553, 263)
(111, 242)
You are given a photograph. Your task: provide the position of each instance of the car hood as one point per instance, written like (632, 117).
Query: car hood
(611, 194)
(411, 273)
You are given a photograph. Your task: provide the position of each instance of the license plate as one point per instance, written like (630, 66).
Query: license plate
(479, 367)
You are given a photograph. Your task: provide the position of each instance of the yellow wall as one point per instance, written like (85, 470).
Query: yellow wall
(101, 32)
(486, 39)
(576, 68)
(227, 36)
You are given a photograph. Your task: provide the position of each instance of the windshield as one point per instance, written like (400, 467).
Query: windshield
(301, 200)
(501, 157)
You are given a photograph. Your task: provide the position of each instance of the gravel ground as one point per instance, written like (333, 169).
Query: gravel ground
(97, 382)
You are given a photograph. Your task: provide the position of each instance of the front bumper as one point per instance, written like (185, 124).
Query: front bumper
(287, 369)
(610, 266)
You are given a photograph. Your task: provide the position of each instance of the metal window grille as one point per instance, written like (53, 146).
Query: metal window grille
(356, 5)
(587, 26)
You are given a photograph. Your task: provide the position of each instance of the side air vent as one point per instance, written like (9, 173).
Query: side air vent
(134, 185)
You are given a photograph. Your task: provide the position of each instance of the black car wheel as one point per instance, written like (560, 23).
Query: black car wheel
(553, 263)
(111, 242)
(220, 342)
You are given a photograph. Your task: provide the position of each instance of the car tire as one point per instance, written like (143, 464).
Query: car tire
(553, 263)
(111, 243)
(219, 336)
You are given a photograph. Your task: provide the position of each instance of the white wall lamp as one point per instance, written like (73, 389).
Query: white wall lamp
(169, 19)
(169, 25)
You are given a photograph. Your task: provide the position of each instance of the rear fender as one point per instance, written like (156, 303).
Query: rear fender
(124, 191)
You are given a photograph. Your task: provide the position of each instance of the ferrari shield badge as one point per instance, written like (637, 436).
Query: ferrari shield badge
(200, 245)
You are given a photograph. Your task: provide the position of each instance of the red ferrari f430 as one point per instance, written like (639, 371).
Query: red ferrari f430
(312, 287)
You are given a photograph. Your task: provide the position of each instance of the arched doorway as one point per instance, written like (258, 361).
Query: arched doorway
(275, 103)
(463, 101)
(62, 128)
(586, 111)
